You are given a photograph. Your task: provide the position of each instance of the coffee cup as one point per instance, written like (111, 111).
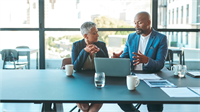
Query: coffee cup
(68, 69)
(132, 82)
(176, 69)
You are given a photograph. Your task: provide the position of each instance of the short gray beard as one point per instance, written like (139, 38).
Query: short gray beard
(140, 32)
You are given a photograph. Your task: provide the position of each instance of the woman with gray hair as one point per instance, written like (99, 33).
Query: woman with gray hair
(83, 53)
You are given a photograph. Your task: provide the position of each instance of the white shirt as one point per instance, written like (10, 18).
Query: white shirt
(142, 47)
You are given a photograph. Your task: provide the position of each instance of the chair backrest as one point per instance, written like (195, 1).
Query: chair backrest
(9, 55)
(66, 61)
(22, 47)
(169, 55)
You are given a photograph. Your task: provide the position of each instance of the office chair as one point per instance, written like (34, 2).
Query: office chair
(65, 61)
(137, 106)
(183, 57)
(169, 61)
(11, 56)
(26, 62)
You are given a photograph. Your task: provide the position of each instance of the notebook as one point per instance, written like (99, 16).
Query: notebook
(118, 67)
(194, 74)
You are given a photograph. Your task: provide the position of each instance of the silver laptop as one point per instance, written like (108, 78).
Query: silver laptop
(118, 67)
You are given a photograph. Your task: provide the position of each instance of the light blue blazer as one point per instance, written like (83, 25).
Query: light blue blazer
(156, 50)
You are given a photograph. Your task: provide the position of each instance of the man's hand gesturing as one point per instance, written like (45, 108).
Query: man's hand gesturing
(140, 58)
(116, 55)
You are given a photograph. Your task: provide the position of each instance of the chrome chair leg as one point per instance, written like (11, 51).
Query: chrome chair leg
(138, 106)
(73, 108)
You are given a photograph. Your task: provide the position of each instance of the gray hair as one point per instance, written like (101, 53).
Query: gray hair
(86, 27)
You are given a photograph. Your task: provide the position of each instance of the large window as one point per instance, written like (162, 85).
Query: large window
(169, 17)
(71, 14)
(19, 14)
(58, 44)
(172, 16)
(53, 25)
(187, 14)
(182, 28)
(198, 11)
(181, 15)
(184, 40)
(177, 16)
(13, 39)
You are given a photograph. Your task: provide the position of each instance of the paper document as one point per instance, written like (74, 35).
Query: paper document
(194, 73)
(179, 92)
(195, 89)
(159, 83)
(152, 76)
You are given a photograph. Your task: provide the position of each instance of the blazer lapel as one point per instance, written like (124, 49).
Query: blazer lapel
(151, 39)
(96, 43)
(137, 43)
(83, 44)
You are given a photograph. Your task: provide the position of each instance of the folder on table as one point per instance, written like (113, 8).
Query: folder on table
(195, 74)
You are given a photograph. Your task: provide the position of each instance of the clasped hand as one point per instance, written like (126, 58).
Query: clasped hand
(140, 58)
(91, 48)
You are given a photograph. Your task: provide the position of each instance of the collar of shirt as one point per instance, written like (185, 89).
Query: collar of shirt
(143, 43)
(145, 37)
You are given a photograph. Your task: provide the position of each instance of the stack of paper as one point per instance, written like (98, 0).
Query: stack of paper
(195, 89)
(194, 73)
(179, 92)
(159, 83)
(152, 76)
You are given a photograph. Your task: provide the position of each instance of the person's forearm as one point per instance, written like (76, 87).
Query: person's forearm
(101, 53)
(80, 59)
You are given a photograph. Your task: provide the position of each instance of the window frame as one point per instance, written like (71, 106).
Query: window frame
(42, 29)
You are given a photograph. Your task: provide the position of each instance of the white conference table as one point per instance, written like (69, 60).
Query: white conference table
(27, 52)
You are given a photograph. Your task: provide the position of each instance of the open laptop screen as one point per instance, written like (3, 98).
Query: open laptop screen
(118, 67)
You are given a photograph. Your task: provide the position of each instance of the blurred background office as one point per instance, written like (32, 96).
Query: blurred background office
(51, 26)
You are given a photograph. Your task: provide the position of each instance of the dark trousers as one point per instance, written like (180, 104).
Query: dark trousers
(128, 107)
